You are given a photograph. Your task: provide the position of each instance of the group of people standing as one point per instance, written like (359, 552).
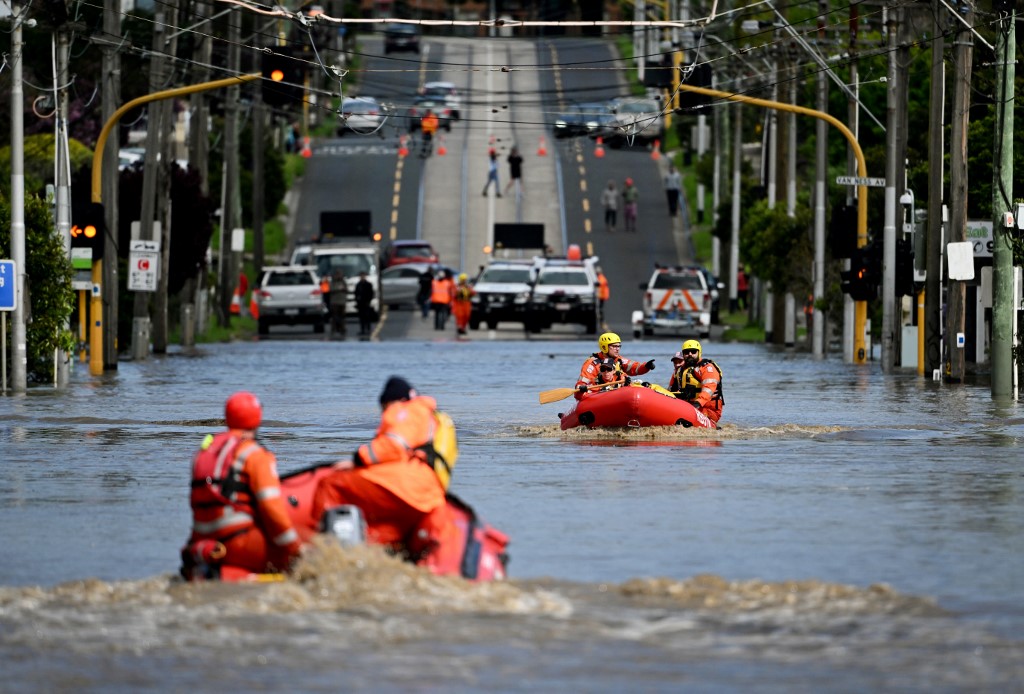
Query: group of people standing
(438, 291)
(334, 290)
(694, 379)
(630, 205)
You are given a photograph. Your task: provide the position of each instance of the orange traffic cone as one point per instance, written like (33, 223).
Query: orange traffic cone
(656, 152)
(542, 150)
(441, 149)
(306, 151)
(599, 149)
(254, 307)
(236, 302)
(403, 150)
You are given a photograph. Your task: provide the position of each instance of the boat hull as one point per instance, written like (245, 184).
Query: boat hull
(633, 406)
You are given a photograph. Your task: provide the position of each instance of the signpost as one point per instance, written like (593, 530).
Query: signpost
(860, 181)
(143, 265)
(8, 282)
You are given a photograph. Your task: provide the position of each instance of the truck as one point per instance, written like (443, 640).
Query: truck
(676, 300)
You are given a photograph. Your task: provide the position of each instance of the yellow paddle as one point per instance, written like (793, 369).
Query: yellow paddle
(556, 394)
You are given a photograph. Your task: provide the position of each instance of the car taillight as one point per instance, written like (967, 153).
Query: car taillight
(316, 292)
(263, 293)
(707, 301)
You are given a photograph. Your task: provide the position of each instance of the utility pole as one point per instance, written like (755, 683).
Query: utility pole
(850, 322)
(259, 115)
(1003, 308)
(62, 177)
(141, 324)
(936, 156)
(737, 191)
(892, 169)
(820, 197)
(230, 199)
(958, 187)
(110, 88)
(168, 163)
(19, 356)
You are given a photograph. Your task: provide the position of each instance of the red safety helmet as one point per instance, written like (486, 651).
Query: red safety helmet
(243, 411)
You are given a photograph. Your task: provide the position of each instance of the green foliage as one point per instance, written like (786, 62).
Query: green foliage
(38, 158)
(777, 247)
(47, 285)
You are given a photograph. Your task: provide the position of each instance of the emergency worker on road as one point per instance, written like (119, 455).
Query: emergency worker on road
(697, 380)
(388, 478)
(428, 126)
(462, 303)
(609, 344)
(442, 294)
(238, 514)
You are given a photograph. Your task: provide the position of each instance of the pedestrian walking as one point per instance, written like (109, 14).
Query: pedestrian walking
(630, 198)
(423, 295)
(492, 174)
(673, 189)
(610, 201)
(515, 170)
(338, 294)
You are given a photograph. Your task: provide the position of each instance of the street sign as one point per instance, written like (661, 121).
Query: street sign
(8, 281)
(860, 181)
(143, 266)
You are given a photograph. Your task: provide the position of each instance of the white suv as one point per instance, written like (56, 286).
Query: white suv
(289, 295)
(446, 92)
(502, 293)
(565, 291)
(676, 299)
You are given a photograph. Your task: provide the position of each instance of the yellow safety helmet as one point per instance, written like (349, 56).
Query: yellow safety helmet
(692, 344)
(462, 277)
(608, 339)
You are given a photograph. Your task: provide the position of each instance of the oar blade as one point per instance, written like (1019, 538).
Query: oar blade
(555, 394)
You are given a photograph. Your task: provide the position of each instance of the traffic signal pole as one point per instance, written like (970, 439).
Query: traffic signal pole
(860, 307)
(96, 306)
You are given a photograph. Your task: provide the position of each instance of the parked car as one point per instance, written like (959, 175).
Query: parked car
(362, 115)
(398, 252)
(583, 119)
(565, 291)
(401, 37)
(446, 92)
(502, 293)
(419, 109)
(676, 300)
(400, 283)
(636, 121)
(289, 295)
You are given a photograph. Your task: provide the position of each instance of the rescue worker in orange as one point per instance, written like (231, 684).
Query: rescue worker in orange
(442, 294)
(603, 292)
(428, 126)
(388, 478)
(697, 380)
(462, 304)
(239, 517)
(609, 344)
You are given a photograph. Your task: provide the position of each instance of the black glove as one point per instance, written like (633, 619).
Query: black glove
(650, 365)
(645, 384)
(356, 460)
(581, 389)
(626, 381)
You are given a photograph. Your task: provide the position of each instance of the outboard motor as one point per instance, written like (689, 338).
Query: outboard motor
(346, 523)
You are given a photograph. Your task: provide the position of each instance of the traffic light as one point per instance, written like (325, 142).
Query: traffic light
(283, 77)
(861, 280)
(842, 231)
(88, 229)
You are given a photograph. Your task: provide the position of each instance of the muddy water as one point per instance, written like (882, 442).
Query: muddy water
(844, 531)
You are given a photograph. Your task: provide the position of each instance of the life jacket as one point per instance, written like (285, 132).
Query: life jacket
(690, 386)
(443, 450)
(463, 292)
(221, 501)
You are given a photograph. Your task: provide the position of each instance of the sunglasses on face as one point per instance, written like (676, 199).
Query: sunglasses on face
(689, 351)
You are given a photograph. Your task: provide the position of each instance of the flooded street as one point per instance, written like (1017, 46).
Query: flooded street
(844, 531)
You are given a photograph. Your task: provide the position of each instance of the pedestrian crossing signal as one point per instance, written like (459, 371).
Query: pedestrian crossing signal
(88, 229)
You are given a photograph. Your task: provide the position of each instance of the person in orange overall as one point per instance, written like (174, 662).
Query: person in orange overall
(388, 478)
(462, 305)
(697, 380)
(428, 125)
(442, 294)
(603, 292)
(238, 514)
(609, 345)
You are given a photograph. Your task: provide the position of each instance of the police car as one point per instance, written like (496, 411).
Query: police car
(676, 300)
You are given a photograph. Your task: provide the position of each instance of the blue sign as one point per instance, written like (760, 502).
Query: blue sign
(8, 281)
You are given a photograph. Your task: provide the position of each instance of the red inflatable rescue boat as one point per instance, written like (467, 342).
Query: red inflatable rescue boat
(633, 406)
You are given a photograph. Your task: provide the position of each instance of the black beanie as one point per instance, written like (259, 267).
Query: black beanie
(395, 389)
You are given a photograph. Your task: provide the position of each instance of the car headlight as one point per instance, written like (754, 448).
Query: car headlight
(521, 297)
(587, 299)
(475, 299)
(560, 124)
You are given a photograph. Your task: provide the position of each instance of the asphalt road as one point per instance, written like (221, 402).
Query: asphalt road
(510, 97)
